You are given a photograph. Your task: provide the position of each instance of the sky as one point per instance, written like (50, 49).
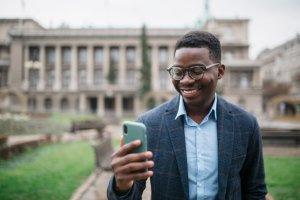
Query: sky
(272, 22)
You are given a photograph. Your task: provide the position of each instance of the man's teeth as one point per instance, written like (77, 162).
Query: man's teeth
(189, 91)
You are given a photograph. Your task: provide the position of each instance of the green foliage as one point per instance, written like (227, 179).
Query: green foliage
(54, 124)
(49, 172)
(282, 176)
(67, 118)
(146, 67)
(111, 77)
(32, 126)
(151, 103)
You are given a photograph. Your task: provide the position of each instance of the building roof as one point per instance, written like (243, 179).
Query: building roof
(99, 32)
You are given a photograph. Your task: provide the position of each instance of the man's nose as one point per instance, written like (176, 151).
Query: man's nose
(186, 77)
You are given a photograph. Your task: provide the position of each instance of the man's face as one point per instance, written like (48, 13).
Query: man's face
(196, 92)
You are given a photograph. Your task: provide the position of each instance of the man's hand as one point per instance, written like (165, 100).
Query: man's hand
(125, 164)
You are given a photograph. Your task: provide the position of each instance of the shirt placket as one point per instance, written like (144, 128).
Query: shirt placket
(200, 163)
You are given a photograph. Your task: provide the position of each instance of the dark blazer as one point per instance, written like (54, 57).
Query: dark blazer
(240, 159)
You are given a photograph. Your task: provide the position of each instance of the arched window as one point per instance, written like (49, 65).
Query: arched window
(48, 105)
(31, 104)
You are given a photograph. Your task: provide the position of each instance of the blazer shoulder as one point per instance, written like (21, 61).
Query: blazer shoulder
(234, 110)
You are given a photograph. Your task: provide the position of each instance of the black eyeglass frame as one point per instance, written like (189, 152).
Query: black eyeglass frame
(184, 70)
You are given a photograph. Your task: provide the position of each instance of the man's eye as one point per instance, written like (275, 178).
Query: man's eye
(177, 72)
(197, 70)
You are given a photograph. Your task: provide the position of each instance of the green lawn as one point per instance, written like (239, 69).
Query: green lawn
(56, 171)
(49, 172)
(283, 177)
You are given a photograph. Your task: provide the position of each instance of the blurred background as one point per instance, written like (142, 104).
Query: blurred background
(72, 71)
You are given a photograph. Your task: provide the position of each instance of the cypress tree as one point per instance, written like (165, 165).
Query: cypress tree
(111, 77)
(146, 67)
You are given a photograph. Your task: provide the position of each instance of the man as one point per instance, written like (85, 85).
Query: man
(200, 146)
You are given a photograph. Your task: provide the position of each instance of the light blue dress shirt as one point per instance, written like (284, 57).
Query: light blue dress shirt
(202, 153)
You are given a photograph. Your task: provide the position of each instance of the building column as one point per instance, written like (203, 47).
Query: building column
(82, 103)
(137, 105)
(122, 66)
(138, 64)
(57, 69)
(171, 58)
(138, 57)
(106, 56)
(100, 111)
(56, 100)
(90, 66)
(119, 109)
(155, 69)
(26, 68)
(40, 107)
(74, 69)
(42, 66)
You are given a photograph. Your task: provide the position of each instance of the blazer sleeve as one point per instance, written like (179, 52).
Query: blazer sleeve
(253, 175)
(134, 194)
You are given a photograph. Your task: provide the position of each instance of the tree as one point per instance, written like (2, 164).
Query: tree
(146, 67)
(111, 77)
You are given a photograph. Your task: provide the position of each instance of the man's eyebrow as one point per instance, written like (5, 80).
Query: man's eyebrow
(192, 65)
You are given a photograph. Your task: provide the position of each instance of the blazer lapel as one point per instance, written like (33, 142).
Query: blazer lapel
(225, 129)
(176, 134)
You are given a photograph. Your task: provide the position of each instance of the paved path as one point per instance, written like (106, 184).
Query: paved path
(97, 185)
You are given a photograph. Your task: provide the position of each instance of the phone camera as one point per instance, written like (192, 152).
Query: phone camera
(125, 128)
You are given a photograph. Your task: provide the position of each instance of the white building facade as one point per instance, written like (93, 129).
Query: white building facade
(65, 70)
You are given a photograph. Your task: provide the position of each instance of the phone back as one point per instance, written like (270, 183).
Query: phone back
(135, 131)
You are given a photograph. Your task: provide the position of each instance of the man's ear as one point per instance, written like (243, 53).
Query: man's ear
(221, 71)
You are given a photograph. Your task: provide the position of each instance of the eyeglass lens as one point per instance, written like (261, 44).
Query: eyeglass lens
(195, 72)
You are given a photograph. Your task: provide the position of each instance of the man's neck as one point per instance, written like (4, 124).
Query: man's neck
(198, 112)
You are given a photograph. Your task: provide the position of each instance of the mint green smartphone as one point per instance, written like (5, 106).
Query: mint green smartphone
(135, 131)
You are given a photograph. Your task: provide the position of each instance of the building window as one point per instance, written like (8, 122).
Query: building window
(131, 79)
(82, 78)
(50, 78)
(50, 56)
(130, 56)
(33, 78)
(4, 52)
(98, 77)
(127, 104)
(228, 55)
(109, 105)
(114, 55)
(34, 53)
(48, 105)
(66, 78)
(242, 79)
(163, 56)
(82, 56)
(64, 104)
(228, 34)
(98, 56)
(163, 79)
(66, 56)
(3, 76)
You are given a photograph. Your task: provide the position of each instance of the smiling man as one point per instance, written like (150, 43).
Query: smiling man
(200, 146)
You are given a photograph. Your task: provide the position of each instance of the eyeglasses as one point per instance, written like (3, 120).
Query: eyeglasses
(195, 72)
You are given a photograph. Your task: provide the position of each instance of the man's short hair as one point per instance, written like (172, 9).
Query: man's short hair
(201, 39)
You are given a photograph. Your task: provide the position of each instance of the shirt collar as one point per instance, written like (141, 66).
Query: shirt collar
(182, 111)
